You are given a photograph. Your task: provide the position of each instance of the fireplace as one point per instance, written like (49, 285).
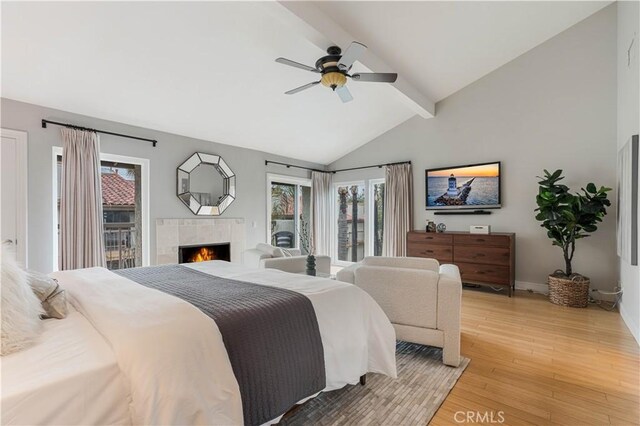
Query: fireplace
(204, 252)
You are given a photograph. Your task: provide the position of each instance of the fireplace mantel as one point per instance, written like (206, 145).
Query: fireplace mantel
(172, 233)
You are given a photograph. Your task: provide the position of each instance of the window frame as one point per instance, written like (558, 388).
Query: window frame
(144, 164)
(288, 180)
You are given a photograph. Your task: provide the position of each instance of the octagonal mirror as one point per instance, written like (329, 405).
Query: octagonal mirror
(206, 184)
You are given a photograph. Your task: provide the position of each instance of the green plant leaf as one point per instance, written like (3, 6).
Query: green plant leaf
(566, 216)
(546, 195)
(556, 174)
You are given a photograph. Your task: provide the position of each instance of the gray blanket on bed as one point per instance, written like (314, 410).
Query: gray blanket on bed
(271, 335)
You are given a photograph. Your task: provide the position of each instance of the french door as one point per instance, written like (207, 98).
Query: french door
(125, 196)
(289, 212)
(357, 220)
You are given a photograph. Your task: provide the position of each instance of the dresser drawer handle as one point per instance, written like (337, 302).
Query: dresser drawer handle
(428, 251)
(480, 254)
(480, 240)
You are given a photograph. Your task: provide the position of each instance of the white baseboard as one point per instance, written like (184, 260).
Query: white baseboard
(631, 324)
(535, 287)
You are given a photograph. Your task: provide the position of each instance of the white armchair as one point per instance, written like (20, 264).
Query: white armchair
(421, 298)
(268, 256)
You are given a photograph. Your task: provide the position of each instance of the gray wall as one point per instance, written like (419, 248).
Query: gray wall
(629, 124)
(553, 107)
(171, 151)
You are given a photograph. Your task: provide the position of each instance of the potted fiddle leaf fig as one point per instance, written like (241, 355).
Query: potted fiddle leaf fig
(569, 217)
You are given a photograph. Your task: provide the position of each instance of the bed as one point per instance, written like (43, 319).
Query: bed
(130, 354)
(70, 377)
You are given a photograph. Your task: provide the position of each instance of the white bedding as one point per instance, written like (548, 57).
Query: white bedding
(171, 358)
(70, 377)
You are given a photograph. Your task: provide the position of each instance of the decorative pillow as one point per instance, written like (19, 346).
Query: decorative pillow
(52, 296)
(21, 309)
(277, 252)
(267, 248)
(287, 253)
(270, 250)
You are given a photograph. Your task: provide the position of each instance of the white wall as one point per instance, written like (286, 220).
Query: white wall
(171, 151)
(629, 124)
(553, 107)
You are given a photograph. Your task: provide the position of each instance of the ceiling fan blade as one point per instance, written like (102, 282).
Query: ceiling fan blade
(378, 77)
(301, 88)
(351, 55)
(344, 94)
(295, 64)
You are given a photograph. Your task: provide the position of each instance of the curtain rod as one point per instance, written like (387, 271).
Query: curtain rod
(266, 163)
(372, 166)
(72, 126)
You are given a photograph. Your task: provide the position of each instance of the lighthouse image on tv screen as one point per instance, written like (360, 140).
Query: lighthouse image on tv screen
(475, 186)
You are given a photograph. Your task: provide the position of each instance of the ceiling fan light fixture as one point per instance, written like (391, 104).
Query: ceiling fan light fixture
(333, 80)
(334, 69)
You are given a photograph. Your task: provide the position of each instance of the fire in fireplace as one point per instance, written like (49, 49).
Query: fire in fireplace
(204, 252)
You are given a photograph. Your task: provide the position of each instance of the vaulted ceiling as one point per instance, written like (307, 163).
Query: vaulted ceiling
(207, 70)
(443, 46)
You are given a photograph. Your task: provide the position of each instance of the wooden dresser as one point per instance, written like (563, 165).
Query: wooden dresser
(482, 259)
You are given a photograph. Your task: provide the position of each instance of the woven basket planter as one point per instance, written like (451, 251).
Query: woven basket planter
(572, 292)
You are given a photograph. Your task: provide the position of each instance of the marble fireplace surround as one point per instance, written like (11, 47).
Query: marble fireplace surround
(172, 233)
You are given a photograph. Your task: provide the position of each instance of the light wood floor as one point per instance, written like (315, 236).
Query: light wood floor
(540, 363)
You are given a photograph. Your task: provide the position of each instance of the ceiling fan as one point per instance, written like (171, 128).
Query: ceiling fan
(334, 70)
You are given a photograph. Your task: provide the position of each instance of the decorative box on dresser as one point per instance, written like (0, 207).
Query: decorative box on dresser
(483, 259)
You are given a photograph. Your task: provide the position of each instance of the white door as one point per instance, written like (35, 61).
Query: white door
(13, 191)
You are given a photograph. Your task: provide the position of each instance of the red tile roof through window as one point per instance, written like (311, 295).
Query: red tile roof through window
(117, 191)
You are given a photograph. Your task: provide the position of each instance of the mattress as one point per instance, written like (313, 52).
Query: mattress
(71, 366)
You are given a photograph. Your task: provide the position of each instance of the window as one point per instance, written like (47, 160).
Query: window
(289, 212)
(350, 221)
(358, 220)
(124, 200)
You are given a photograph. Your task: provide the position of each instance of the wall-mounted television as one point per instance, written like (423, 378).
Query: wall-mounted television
(474, 186)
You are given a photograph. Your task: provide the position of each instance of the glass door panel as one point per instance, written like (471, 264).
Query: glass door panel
(283, 215)
(350, 202)
(378, 218)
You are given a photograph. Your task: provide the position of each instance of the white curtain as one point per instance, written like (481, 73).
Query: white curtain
(81, 238)
(321, 212)
(398, 209)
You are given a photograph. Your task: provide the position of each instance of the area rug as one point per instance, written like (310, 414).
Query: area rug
(422, 385)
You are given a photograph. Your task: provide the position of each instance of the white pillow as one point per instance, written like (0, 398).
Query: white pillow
(270, 250)
(278, 252)
(21, 308)
(287, 253)
(51, 295)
